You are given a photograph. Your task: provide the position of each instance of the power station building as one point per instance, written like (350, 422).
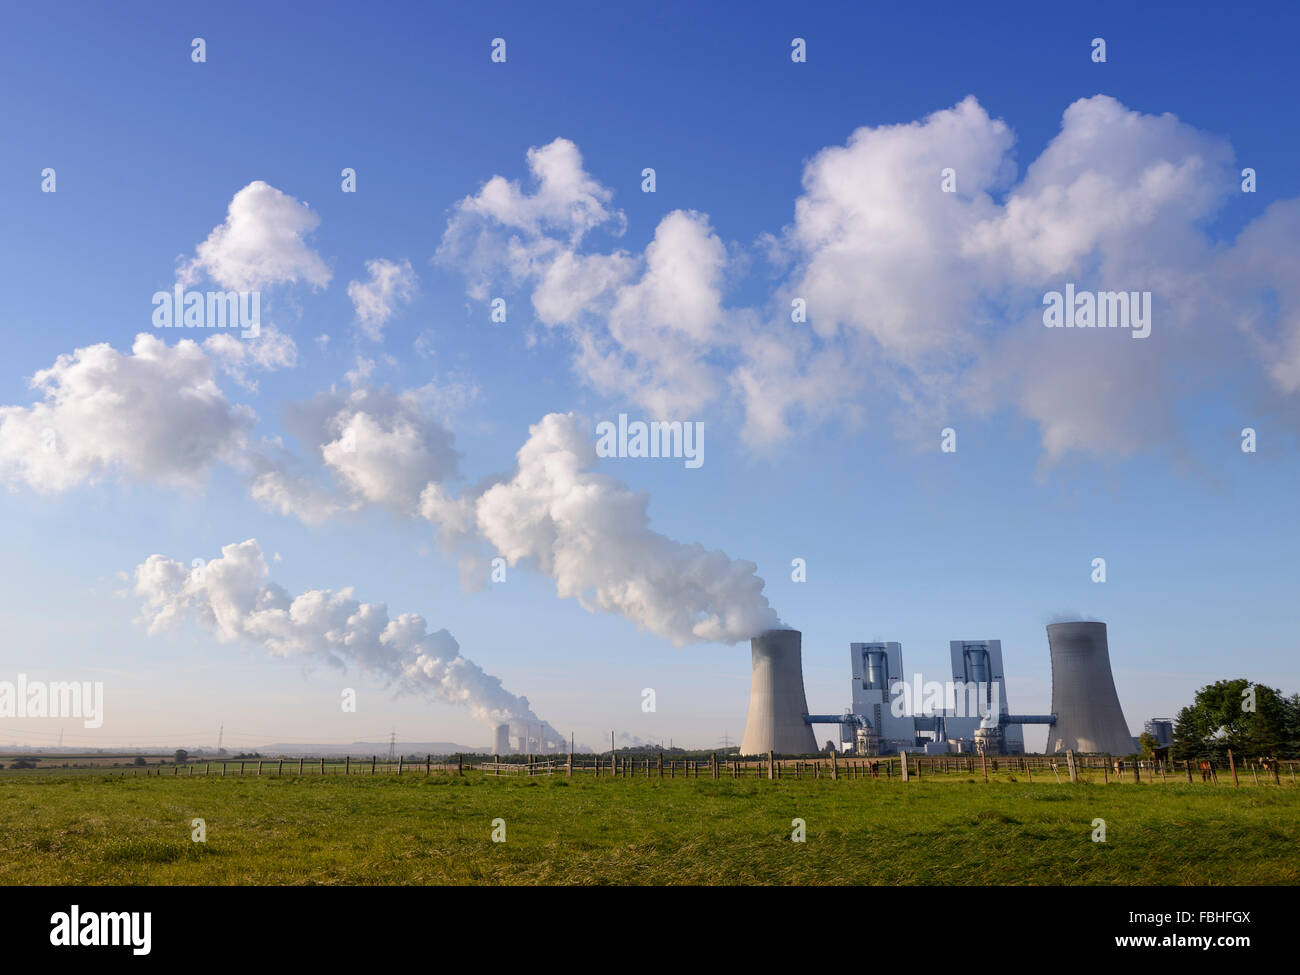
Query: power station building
(969, 713)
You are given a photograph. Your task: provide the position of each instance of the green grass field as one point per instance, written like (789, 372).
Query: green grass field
(93, 829)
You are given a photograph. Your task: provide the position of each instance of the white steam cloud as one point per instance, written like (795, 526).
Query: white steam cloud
(591, 534)
(231, 597)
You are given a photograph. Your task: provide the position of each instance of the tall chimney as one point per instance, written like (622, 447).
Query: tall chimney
(777, 703)
(1088, 715)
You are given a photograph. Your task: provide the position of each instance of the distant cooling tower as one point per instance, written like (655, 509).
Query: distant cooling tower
(1088, 715)
(502, 744)
(777, 704)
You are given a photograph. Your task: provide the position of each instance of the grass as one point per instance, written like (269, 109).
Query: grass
(947, 830)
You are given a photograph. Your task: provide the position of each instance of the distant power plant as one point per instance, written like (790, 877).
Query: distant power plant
(969, 713)
(1162, 730)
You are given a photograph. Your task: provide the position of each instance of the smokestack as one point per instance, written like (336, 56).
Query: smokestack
(777, 703)
(1088, 715)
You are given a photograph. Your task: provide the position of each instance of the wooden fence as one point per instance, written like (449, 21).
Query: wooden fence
(1064, 768)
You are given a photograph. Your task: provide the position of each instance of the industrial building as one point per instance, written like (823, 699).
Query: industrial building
(968, 713)
(1161, 729)
(528, 739)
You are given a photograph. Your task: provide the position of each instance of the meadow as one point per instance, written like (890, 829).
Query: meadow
(438, 829)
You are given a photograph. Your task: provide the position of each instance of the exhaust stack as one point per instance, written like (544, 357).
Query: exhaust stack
(777, 703)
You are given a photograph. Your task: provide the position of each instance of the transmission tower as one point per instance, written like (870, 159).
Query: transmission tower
(221, 733)
(392, 746)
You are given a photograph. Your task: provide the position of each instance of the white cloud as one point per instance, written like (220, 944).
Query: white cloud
(156, 414)
(642, 325)
(391, 284)
(231, 597)
(591, 534)
(380, 447)
(270, 350)
(926, 305)
(261, 243)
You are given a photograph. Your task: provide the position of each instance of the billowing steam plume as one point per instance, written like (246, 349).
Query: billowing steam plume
(591, 534)
(230, 596)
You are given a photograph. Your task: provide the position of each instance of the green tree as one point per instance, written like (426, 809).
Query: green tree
(181, 756)
(1249, 718)
(1149, 745)
(139, 760)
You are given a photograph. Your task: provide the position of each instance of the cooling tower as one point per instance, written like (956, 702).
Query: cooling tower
(502, 743)
(1088, 715)
(777, 704)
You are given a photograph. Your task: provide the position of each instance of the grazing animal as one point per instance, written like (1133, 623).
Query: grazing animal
(1207, 769)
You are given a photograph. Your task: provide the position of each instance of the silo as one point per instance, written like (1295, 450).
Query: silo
(1088, 715)
(777, 704)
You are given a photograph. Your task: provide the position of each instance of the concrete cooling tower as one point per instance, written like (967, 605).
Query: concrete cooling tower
(1088, 715)
(777, 704)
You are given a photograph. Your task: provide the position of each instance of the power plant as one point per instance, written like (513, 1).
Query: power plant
(969, 713)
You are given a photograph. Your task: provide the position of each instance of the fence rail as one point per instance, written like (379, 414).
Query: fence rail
(1063, 768)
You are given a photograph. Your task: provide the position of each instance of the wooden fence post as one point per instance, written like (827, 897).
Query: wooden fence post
(259, 766)
(347, 764)
(984, 764)
(372, 764)
(771, 764)
(322, 765)
(902, 756)
(1069, 760)
(279, 769)
(300, 766)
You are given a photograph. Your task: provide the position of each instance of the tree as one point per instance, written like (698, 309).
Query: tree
(1149, 745)
(181, 756)
(139, 760)
(1249, 718)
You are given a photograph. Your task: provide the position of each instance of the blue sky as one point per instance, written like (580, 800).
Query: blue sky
(902, 542)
